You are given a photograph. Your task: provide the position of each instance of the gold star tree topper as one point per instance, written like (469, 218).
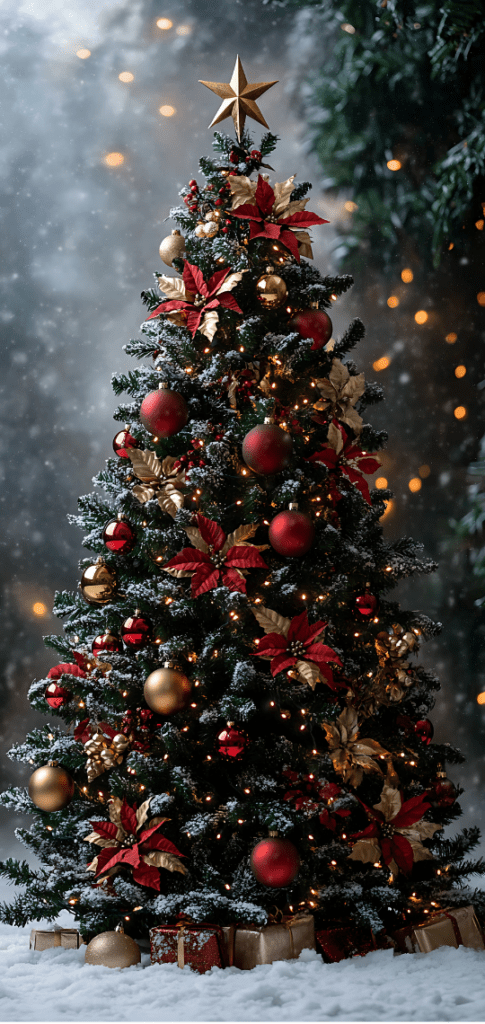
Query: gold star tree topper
(238, 99)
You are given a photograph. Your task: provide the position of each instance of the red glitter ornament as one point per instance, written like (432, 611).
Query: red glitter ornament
(106, 642)
(267, 449)
(135, 631)
(425, 730)
(119, 536)
(275, 862)
(231, 742)
(291, 533)
(122, 442)
(366, 604)
(56, 695)
(164, 412)
(442, 793)
(315, 324)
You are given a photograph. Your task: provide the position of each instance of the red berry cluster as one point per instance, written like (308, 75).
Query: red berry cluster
(138, 724)
(193, 456)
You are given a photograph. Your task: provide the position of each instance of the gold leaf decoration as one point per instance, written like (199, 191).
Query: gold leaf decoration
(209, 323)
(242, 189)
(340, 391)
(351, 756)
(271, 621)
(173, 287)
(308, 672)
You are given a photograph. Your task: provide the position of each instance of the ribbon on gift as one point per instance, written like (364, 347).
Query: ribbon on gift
(455, 926)
(186, 925)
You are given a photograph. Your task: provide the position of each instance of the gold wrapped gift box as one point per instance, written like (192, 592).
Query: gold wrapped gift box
(248, 945)
(68, 938)
(449, 927)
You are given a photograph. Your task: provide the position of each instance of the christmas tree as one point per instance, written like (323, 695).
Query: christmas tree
(241, 720)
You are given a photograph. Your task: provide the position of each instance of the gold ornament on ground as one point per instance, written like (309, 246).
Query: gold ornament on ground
(51, 787)
(351, 756)
(103, 752)
(339, 394)
(167, 690)
(113, 949)
(271, 291)
(98, 583)
(172, 247)
(159, 478)
(238, 99)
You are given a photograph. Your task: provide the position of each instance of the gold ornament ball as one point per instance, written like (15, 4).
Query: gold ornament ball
(271, 291)
(211, 229)
(112, 949)
(51, 788)
(200, 230)
(167, 690)
(98, 583)
(171, 247)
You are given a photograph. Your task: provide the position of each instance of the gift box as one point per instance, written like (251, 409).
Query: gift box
(200, 946)
(68, 938)
(339, 943)
(248, 945)
(450, 927)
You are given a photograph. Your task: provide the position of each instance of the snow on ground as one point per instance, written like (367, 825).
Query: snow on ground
(446, 985)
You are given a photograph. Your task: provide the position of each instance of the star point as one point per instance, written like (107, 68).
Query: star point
(238, 99)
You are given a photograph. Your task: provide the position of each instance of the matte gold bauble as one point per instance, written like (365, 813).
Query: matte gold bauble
(271, 291)
(167, 690)
(98, 583)
(112, 949)
(171, 247)
(51, 788)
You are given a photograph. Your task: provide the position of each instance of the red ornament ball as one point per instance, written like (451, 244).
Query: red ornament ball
(366, 604)
(231, 742)
(135, 632)
(315, 324)
(267, 449)
(164, 412)
(442, 793)
(119, 536)
(291, 533)
(122, 442)
(56, 695)
(425, 730)
(275, 862)
(106, 642)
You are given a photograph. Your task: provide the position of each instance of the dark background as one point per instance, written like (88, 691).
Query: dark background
(80, 241)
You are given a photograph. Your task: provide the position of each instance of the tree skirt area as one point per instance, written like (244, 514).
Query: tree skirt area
(448, 984)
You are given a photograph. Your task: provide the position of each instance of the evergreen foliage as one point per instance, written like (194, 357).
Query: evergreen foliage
(218, 808)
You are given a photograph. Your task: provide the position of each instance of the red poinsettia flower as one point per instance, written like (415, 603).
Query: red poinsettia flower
(216, 557)
(395, 831)
(345, 459)
(269, 218)
(309, 795)
(197, 298)
(296, 644)
(125, 842)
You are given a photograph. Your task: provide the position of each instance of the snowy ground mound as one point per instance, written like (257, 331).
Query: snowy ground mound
(448, 984)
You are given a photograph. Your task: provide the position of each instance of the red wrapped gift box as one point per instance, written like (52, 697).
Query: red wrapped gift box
(337, 944)
(200, 946)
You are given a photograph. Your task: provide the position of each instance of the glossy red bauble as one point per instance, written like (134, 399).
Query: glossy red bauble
(122, 442)
(425, 730)
(56, 695)
(315, 324)
(135, 632)
(275, 862)
(164, 412)
(106, 642)
(119, 536)
(366, 604)
(231, 742)
(291, 533)
(442, 793)
(267, 449)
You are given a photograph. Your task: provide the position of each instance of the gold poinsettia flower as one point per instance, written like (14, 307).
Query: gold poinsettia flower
(340, 391)
(351, 756)
(244, 191)
(160, 479)
(128, 840)
(396, 832)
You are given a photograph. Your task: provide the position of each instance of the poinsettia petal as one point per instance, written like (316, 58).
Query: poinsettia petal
(322, 653)
(358, 482)
(281, 662)
(272, 644)
(104, 828)
(291, 242)
(103, 858)
(233, 580)
(206, 578)
(228, 302)
(299, 627)
(211, 532)
(162, 843)
(243, 557)
(214, 282)
(188, 559)
(304, 219)
(194, 316)
(411, 811)
(128, 818)
(193, 279)
(167, 307)
(81, 729)
(370, 832)
(327, 456)
(247, 212)
(402, 852)
(314, 631)
(147, 875)
(264, 196)
(368, 465)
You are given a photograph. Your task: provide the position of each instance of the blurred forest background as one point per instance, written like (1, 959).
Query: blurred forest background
(381, 105)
